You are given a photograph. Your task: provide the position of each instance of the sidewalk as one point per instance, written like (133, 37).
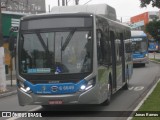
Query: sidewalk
(11, 89)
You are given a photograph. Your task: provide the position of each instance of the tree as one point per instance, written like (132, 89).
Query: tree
(155, 3)
(153, 28)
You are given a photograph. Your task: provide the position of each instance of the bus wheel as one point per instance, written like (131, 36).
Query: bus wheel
(143, 64)
(109, 94)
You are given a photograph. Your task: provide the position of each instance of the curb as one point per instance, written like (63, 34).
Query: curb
(8, 94)
(154, 61)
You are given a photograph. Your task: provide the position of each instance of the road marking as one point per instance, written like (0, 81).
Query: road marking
(34, 109)
(130, 88)
(137, 88)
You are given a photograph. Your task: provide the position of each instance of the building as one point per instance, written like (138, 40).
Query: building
(24, 6)
(12, 11)
(139, 21)
(10, 20)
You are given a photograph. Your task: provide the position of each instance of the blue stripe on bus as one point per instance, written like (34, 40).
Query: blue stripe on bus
(54, 89)
(139, 54)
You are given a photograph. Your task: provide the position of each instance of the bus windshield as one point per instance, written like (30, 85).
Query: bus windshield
(139, 45)
(56, 52)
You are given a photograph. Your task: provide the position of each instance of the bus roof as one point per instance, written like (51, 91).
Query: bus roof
(138, 33)
(47, 15)
(99, 9)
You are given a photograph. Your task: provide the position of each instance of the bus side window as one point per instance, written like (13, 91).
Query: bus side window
(99, 52)
(108, 52)
(103, 49)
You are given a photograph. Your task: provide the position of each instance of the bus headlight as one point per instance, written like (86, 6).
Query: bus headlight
(88, 85)
(27, 89)
(24, 88)
(83, 87)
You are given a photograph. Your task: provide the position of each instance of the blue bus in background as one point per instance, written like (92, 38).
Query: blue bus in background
(153, 45)
(140, 47)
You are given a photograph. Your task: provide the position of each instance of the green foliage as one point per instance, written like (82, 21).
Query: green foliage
(152, 28)
(155, 3)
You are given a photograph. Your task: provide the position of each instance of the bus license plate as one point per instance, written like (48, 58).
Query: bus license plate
(55, 102)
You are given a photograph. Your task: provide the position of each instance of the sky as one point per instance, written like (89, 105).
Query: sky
(124, 8)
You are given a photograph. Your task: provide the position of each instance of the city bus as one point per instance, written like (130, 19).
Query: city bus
(72, 58)
(140, 47)
(152, 45)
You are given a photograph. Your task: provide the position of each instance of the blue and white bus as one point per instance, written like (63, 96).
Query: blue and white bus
(140, 47)
(153, 45)
(72, 58)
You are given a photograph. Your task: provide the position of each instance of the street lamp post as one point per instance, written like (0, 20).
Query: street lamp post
(58, 3)
(2, 66)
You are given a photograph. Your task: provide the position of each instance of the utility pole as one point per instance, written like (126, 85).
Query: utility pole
(63, 2)
(77, 2)
(49, 8)
(66, 2)
(58, 3)
(2, 65)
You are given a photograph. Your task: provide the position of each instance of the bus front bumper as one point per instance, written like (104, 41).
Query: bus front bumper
(90, 96)
(141, 60)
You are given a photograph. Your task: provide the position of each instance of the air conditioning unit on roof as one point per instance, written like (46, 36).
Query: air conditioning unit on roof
(99, 9)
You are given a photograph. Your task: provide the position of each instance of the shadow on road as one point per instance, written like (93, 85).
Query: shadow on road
(139, 65)
(81, 111)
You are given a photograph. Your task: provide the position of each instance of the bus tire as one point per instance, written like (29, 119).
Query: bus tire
(143, 64)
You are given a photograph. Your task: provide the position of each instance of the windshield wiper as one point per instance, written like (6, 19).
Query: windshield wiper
(69, 37)
(42, 42)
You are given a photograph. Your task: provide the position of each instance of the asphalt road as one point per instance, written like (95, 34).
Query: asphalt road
(124, 100)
